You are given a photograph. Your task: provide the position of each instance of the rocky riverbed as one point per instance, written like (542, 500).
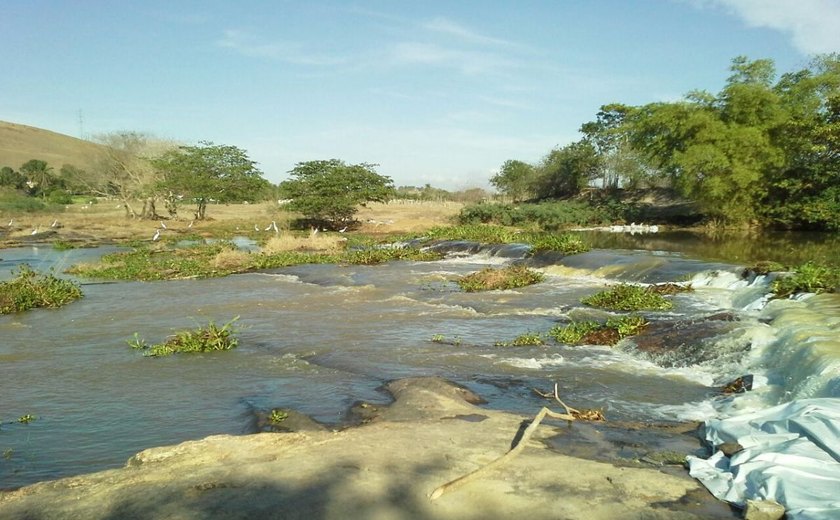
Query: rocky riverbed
(385, 468)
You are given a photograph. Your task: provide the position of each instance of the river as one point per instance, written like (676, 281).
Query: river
(317, 338)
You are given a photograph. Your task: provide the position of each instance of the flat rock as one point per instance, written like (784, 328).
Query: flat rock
(385, 469)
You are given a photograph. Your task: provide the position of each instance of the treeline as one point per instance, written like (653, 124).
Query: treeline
(762, 151)
(141, 173)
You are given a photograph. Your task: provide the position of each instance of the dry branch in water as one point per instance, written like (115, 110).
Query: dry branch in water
(526, 435)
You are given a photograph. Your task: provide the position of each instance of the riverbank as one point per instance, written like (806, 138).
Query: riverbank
(386, 468)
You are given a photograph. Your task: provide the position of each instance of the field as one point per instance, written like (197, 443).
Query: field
(105, 221)
(20, 143)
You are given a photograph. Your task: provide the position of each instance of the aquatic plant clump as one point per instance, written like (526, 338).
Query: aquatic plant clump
(566, 243)
(808, 277)
(529, 339)
(491, 279)
(626, 297)
(203, 339)
(29, 290)
(595, 333)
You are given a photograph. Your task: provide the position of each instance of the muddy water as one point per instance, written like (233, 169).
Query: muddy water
(318, 338)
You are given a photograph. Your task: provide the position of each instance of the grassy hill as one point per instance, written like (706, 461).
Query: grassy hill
(20, 143)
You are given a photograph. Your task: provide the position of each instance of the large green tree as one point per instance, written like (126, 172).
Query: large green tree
(330, 190)
(515, 179)
(568, 170)
(209, 172)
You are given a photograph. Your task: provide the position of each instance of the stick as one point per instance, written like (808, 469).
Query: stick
(526, 435)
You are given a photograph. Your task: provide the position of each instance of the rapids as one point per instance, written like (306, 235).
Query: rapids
(317, 338)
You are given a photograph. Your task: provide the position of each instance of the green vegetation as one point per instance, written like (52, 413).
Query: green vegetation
(62, 245)
(23, 419)
(491, 279)
(523, 340)
(625, 297)
(30, 289)
(206, 173)
(202, 260)
(328, 193)
(808, 277)
(595, 333)
(277, 416)
(440, 338)
(490, 234)
(203, 339)
(761, 151)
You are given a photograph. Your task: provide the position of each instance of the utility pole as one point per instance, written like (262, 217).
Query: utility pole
(81, 125)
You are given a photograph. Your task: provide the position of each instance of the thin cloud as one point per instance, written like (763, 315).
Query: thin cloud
(465, 61)
(813, 25)
(289, 52)
(446, 26)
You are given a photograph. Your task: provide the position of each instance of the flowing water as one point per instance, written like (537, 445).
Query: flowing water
(317, 338)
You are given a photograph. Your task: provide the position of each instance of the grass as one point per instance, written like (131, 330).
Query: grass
(528, 339)
(595, 333)
(491, 279)
(203, 339)
(29, 290)
(565, 243)
(626, 297)
(809, 277)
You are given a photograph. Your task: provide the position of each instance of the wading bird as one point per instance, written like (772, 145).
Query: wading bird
(157, 235)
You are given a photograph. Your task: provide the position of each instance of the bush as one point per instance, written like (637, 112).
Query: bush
(495, 279)
(594, 333)
(203, 339)
(625, 297)
(808, 277)
(30, 289)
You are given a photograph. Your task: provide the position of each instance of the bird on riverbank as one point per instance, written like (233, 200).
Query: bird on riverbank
(157, 235)
(162, 225)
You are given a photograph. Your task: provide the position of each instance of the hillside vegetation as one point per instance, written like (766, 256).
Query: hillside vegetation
(21, 143)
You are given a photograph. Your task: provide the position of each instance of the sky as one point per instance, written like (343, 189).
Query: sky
(438, 92)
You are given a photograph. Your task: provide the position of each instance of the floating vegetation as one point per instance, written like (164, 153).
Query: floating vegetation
(524, 340)
(808, 277)
(277, 416)
(566, 243)
(202, 260)
(203, 339)
(30, 289)
(594, 333)
(490, 279)
(626, 297)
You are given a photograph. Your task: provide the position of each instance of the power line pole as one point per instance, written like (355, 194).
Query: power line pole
(81, 125)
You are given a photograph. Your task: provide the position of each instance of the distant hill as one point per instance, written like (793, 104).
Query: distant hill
(20, 143)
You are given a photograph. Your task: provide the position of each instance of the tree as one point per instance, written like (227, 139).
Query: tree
(9, 177)
(330, 190)
(515, 179)
(38, 175)
(209, 172)
(568, 170)
(123, 170)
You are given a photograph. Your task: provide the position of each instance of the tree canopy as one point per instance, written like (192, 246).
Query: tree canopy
(330, 190)
(209, 172)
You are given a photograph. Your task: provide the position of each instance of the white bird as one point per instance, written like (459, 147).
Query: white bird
(55, 223)
(314, 231)
(191, 223)
(157, 235)
(256, 227)
(162, 225)
(267, 227)
(342, 230)
(35, 231)
(274, 226)
(11, 221)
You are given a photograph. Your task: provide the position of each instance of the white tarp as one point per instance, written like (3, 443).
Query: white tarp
(791, 454)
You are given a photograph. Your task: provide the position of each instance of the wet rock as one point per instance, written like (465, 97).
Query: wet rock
(684, 342)
(739, 386)
(730, 448)
(287, 420)
(764, 510)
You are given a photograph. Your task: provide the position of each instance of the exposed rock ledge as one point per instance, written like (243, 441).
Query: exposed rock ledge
(385, 469)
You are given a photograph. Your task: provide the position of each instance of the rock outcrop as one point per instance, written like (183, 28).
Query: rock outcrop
(385, 468)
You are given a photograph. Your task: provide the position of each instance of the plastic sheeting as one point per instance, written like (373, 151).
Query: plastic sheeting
(791, 454)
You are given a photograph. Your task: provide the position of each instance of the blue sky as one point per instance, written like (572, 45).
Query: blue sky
(438, 92)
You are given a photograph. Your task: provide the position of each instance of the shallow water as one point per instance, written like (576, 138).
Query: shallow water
(317, 338)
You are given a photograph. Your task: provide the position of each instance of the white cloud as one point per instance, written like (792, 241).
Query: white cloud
(813, 25)
(290, 52)
(445, 26)
(467, 62)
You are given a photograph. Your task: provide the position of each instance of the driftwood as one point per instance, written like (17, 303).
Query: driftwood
(526, 435)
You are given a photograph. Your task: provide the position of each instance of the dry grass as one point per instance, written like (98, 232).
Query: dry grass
(106, 220)
(313, 242)
(20, 143)
(231, 260)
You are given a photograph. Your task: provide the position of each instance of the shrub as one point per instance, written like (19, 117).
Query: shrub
(524, 340)
(494, 279)
(203, 339)
(30, 289)
(808, 277)
(566, 243)
(592, 332)
(573, 333)
(625, 297)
